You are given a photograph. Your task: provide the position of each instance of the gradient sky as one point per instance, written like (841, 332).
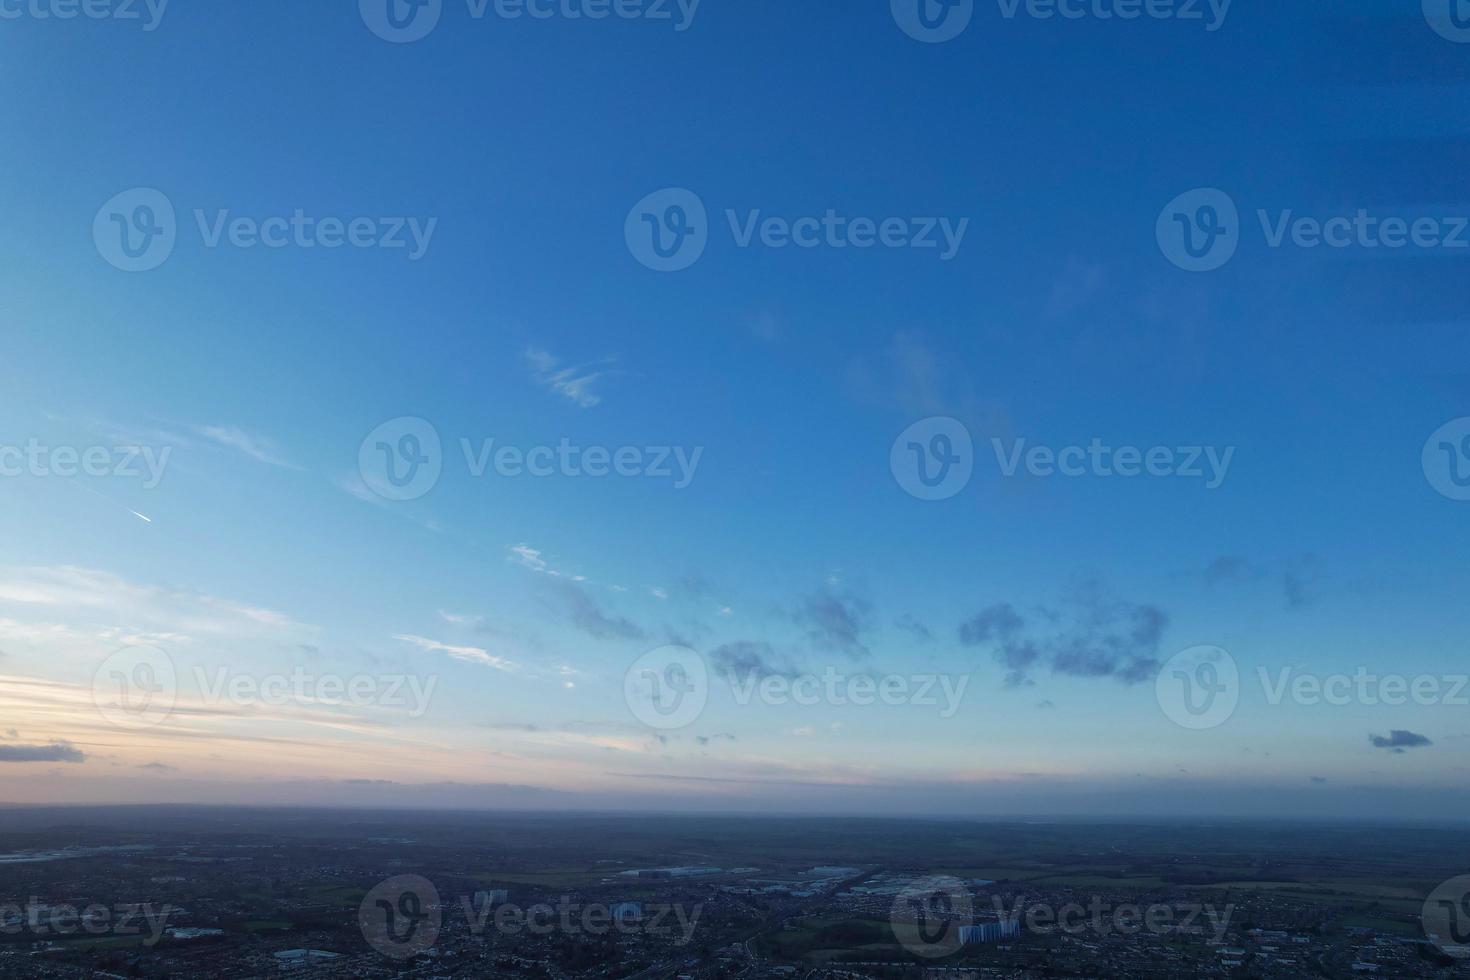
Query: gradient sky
(528, 321)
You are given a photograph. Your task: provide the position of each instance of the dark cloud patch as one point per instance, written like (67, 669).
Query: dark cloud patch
(690, 633)
(55, 752)
(836, 622)
(589, 617)
(1319, 779)
(1301, 577)
(1002, 628)
(911, 625)
(744, 660)
(708, 739)
(1230, 570)
(692, 586)
(1093, 637)
(369, 782)
(1301, 582)
(997, 622)
(1398, 740)
(157, 767)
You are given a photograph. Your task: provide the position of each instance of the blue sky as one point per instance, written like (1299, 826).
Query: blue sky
(1060, 320)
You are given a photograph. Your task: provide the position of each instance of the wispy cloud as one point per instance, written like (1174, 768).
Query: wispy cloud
(164, 614)
(471, 655)
(257, 447)
(573, 383)
(529, 557)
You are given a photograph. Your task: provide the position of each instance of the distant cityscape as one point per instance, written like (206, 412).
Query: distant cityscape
(233, 894)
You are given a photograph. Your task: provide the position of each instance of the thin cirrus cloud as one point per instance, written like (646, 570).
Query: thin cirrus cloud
(466, 654)
(129, 608)
(257, 447)
(575, 384)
